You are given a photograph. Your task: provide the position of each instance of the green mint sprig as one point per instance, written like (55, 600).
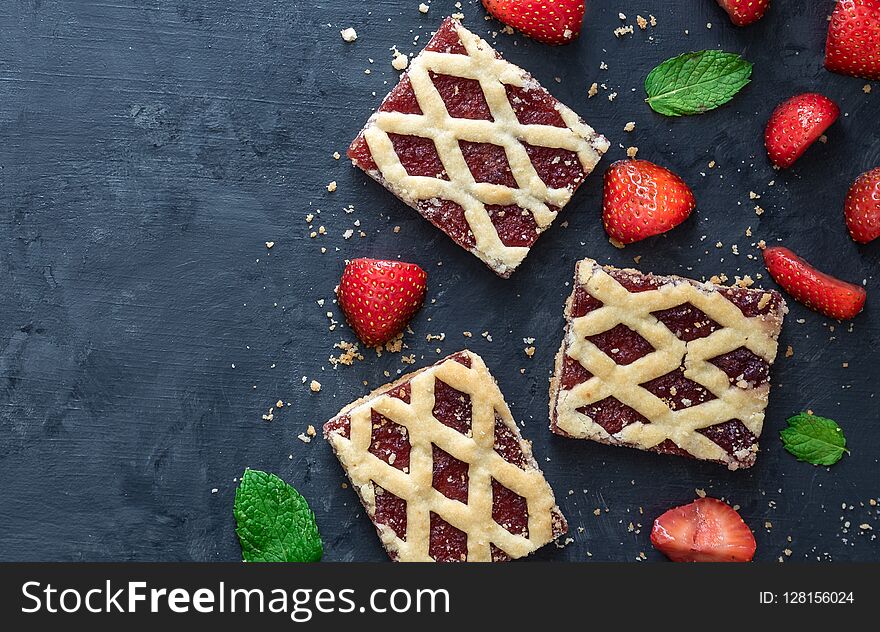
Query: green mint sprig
(274, 522)
(694, 83)
(814, 439)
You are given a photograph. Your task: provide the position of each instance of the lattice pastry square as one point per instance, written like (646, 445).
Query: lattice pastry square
(478, 147)
(442, 470)
(666, 364)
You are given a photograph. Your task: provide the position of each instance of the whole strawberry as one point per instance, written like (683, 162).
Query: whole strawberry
(642, 199)
(853, 44)
(379, 297)
(818, 291)
(744, 12)
(549, 21)
(796, 124)
(862, 207)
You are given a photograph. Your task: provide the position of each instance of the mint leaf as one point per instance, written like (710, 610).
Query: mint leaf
(694, 83)
(814, 439)
(274, 522)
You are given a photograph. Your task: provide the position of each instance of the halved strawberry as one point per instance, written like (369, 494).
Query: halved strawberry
(379, 297)
(853, 44)
(744, 12)
(818, 291)
(796, 124)
(707, 530)
(862, 207)
(642, 199)
(550, 21)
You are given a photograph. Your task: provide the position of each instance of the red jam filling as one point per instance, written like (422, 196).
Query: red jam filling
(510, 510)
(462, 358)
(450, 476)
(341, 425)
(732, 436)
(452, 407)
(583, 302)
(516, 227)
(487, 163)
(446, 40)
(677, 391)
(558, 168)
(535, 106)
(447, 543)
(612, 414)
(389, 441)
(402, 392)
(462, 97)
(418, 156)
(573, 373)
(743, 365)
(671, 447)
(390, 511)
(749, 301)
(622, 344)
(635, 282)
(507, 445)
(449, 217)
(686, 322)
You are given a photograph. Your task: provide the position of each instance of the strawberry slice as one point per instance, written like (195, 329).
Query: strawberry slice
(796, 124)
(552, 22)
(862, 207)
(379, 297)
(853, 44)
(818, 291)
(707, 530)
(745, 12)
(642, 199)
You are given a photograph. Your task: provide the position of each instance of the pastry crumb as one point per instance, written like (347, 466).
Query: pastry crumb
(269, 244)
(632, 152)
(423, 8)
(629, 126)
(332, 186)
(315, 386)
(348, 34)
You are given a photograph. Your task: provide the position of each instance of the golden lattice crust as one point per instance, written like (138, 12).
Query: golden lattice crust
(637, 401)
(480, 63)
(491, 449)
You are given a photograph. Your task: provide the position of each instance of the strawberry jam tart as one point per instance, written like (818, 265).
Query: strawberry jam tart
(442, 470)
(477, 147)
(666, 364)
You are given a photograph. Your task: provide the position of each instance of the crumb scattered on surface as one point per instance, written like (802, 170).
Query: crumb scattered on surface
(631, 152)
(629, 126)
(348, 34)
(332, 186)
(315, 386)
(423, 8)
(593, 91)
(269, 244)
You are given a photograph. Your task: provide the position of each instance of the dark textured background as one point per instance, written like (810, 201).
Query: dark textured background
(148, 149)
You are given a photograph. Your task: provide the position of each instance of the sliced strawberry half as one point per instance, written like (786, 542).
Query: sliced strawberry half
(862, 207)
(706, 530)
(745, 12)
(796, 124)
(379, 297)
(550, 21)
(642, 199)
(853, 44)
(818, 291)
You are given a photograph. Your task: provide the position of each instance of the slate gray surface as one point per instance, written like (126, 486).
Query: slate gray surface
(149, 149)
